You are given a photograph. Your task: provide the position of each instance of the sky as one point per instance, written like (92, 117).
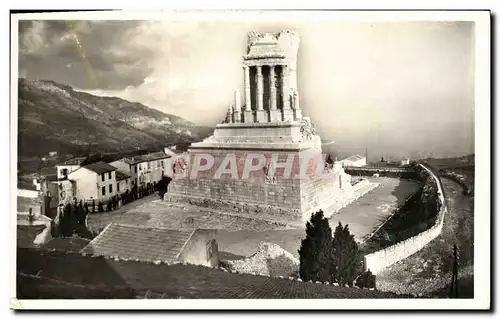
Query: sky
(394, 88)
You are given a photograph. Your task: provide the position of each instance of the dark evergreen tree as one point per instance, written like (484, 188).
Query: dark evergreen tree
(66, 221)
(80, 214)
(93, 205)
(345, 257)
(100, 207)
(108, 206)
(315, 249)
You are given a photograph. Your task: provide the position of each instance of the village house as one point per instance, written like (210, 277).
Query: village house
(354, 161)
(146, 169)
(405, 161)
(69, 166)
(94, 181)
(123, 183)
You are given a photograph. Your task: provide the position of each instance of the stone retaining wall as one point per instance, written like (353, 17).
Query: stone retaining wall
(381, 259)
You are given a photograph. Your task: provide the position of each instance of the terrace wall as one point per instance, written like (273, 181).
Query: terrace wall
(27, 193)
(381, 259)
(396, 172)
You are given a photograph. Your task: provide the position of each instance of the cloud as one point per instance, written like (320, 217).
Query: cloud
(360, 82)
(103, 54)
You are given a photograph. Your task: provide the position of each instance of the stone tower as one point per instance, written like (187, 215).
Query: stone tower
(268, 127)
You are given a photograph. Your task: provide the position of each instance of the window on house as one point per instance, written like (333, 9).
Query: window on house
(140, 168)
(149, 165)
(109, 175)
(103, 190)
(102, 177)
(117, 187)
(162, 164)
(110, 188)
(64, 172)
(135, 169)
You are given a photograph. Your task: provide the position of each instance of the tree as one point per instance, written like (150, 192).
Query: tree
(315, 249)
(100, 207)
(66, 225)
(430, 199)
(162, 185)
(345, 259)
(80, 214)
(93, 205)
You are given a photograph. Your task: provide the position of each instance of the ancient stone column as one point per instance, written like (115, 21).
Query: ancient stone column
(284, 87)
(272, 81)
(248, 100)
(288, 113)
(260, 91)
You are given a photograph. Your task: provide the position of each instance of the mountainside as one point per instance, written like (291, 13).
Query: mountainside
(54, 117)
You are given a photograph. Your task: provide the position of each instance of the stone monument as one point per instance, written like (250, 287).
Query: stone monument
(290, 180)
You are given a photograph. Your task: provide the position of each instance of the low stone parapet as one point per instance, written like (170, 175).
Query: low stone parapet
(377, 261)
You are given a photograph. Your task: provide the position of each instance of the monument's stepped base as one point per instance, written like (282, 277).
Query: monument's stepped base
(332, 203)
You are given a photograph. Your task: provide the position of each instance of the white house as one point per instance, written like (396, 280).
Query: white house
(69, 166)
(123, 183)
(405, 161)
(147, 168)
(354, 161)
(95, 181)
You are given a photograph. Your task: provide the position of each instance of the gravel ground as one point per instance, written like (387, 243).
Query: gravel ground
(429, 270)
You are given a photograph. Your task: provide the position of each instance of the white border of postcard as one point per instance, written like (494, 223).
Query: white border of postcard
(482, 209)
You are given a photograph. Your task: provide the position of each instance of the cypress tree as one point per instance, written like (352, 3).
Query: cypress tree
(345, 260)
(315, 249)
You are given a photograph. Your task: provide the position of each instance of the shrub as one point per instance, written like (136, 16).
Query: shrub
(366, 280)
(162, 185)
(66, 221)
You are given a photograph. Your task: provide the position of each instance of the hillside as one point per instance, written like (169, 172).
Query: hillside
(54, 117)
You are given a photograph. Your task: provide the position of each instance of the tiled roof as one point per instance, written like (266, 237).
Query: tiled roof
(100, 167)
(75, 161)
(95, 275)
(145, 158)
(121, 175)
(135, 242)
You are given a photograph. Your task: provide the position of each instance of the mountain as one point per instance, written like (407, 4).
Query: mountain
(54, 117)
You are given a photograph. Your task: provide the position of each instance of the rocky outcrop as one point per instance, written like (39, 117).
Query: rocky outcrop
(270, 259)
